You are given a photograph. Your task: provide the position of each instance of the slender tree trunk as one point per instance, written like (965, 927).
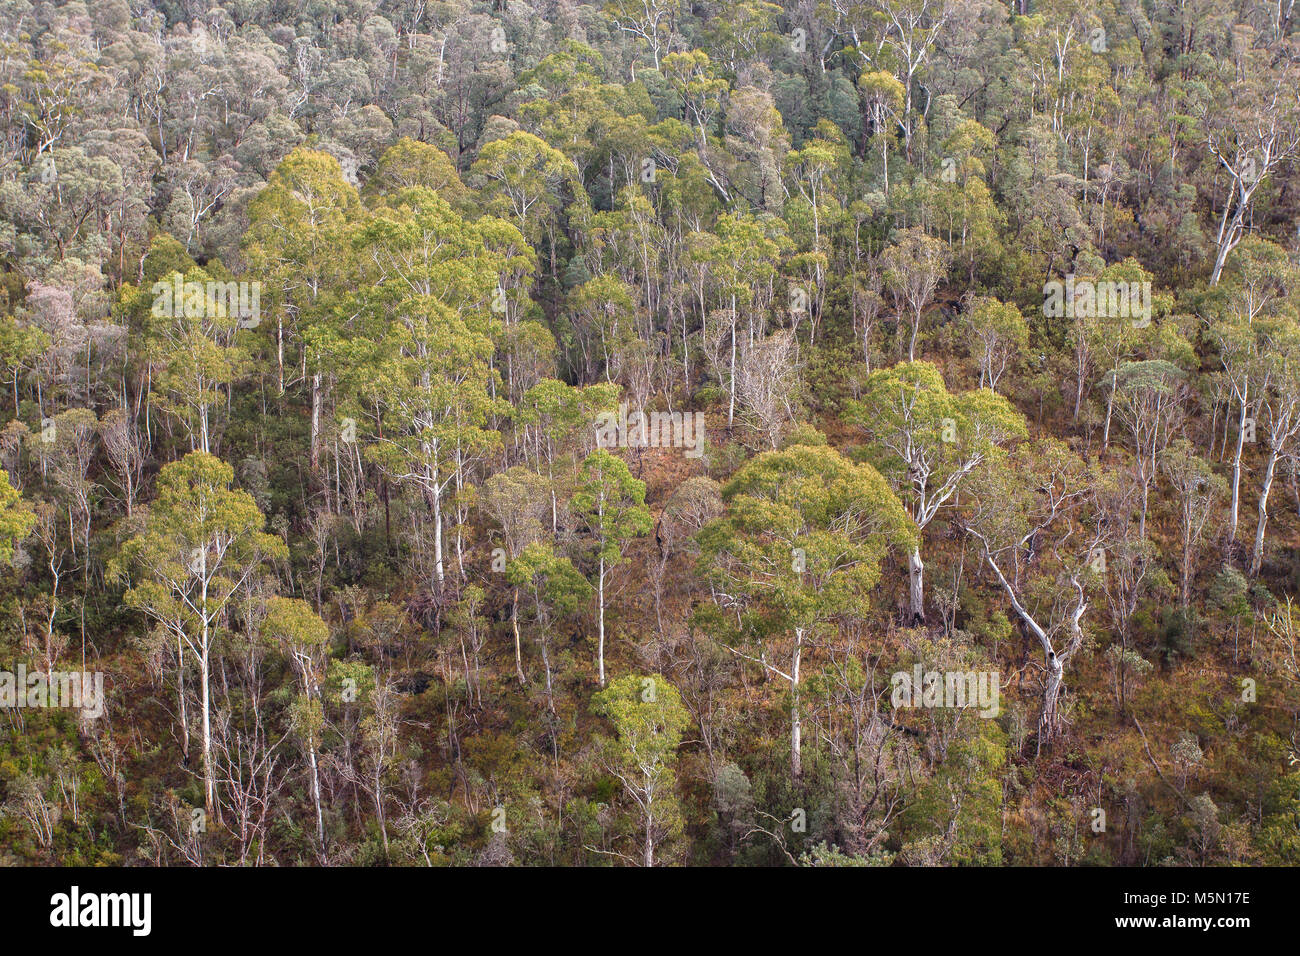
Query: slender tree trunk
(649, 857)
(601, 618)
(180, 693)
(884, 160)
(915, 573)
(315, 796)
(1146, 506)
(514, 625)
(315, 422)
(437, 535)
(1236, 473)
(1110, 410)
(796, 723)
(1257, 554)
(379, 813)
(1078, 394)
(1049, 721)
(731, 385)
(550, 687)
(209, 777)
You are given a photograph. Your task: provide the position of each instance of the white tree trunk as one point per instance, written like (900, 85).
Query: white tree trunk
(514, 625)
(180, 693)
(916, 582)
(731, 385)
(314, 451)
(209, 777)
(315, 795)
(1228, 239)
(1049, 721)
(1236, 473)
(649, 857)
(1257, 555)
(796, 724)
(600, 652)
(437, 534)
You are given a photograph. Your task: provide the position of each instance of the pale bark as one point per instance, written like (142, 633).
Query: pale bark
(1270, 471)
(916, 571)
(514, 625)
(600, 591)
(796, 723)
(1236, 474)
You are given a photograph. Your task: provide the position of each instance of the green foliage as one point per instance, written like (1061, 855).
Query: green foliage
(611, 504)
(16, 518)
(804, 533)
(957, 815)
(342, 559)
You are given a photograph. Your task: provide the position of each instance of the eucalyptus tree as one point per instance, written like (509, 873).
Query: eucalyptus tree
(201, 541)
(913, 267)
(649, 720)
(1255, 290)
(1252, 127)
(297, 243)
(1198, 494)
(1000, 336)
(1151, 398)
(431, 277)
(928, 441)
(799, 546)
(1043, 539)
(304, 638)
(1279, 414)
(610, 503)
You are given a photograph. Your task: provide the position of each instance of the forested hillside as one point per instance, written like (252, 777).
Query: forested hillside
(834, 432)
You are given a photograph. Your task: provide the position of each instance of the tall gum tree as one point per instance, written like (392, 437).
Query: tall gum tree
(431, 277)
(649, 718)
(914, 265)
(202, 540)
(928, 441)
(1040, 534)
(611, 504)
(1150, 402)
(1279, 414)
(196, 344)
(304, 638)
(799, 546)
(296, 240)
(1251, 129)
(1254, 290)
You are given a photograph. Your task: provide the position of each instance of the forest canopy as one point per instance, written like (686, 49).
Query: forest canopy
(836, 433)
